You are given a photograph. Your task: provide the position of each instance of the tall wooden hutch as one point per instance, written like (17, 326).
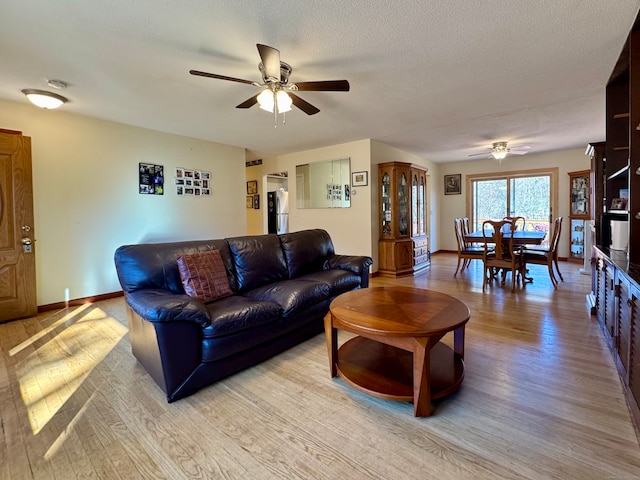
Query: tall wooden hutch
(404, 242)
(615, 259)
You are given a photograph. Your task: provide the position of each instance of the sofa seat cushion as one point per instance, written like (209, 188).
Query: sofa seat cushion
(233, 314)
(293, 296)
(338, 281)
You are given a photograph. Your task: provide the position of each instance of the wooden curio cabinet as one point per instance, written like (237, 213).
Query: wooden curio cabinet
(404, 242)
(579, 212)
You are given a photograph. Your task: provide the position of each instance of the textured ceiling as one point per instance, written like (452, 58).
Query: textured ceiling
(441, 79)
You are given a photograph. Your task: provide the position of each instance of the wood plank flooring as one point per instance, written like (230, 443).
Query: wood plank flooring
(541, 399)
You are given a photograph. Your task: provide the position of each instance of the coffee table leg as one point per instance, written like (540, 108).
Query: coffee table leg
(331, 335)
(421, 378)
(458, 341)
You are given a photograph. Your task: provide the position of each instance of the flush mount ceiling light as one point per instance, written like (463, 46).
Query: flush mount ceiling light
(44, 99)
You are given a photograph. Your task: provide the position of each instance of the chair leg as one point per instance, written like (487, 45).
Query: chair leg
(485, 271)
(555, 260)
(554, 280)
(458, 267)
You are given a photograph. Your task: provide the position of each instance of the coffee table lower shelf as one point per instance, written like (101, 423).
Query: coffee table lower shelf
(386, 372)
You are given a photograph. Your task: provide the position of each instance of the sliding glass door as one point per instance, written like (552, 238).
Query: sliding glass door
(525, 194)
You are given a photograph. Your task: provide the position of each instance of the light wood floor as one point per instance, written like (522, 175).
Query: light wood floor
(541, 400)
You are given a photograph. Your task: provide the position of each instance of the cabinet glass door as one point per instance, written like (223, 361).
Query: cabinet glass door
(403, 207)
(577, 238)
(385, 189)
(580, 195)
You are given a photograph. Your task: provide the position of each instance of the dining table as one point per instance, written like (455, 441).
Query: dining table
(520, 237)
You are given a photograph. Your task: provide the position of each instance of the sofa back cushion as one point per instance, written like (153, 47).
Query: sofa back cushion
(306, 251)
(258, 260)
(155, 266)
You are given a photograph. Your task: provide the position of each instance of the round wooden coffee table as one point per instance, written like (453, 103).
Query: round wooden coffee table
(397, 354)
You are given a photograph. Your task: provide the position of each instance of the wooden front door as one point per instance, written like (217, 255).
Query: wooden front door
(17, 249)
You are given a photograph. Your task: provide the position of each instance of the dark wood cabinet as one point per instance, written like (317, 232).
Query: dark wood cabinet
(617, 193)
(617, 300)
(404, 241)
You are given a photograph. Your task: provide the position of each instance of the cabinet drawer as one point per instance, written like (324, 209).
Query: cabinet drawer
(422, 242)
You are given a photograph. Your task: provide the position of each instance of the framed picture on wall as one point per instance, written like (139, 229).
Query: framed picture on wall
(452, 184)
(256, 201)
(249, 203)
(359, 179)
(252, 187)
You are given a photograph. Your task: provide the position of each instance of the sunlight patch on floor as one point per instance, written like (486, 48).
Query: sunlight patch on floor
(62, 357)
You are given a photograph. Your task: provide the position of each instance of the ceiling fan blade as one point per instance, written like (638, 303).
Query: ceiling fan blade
(478, 154)
(324, 86)
(270, 60)
(518, 152)
(303, 105)
(249, 102)
(219, 77)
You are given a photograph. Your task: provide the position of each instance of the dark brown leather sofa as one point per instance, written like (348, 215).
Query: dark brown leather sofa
(282, 286)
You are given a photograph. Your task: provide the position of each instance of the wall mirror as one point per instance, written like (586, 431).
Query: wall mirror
(324, 184)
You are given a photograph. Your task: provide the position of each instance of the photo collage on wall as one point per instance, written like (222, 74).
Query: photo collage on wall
(191, 182)
(150, 179)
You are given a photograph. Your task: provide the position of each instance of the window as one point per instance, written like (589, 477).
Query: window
(531, 194)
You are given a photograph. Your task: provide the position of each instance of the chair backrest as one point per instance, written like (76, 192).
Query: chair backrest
(519, 222)
(503, 240)
(459, 229)
(555, 235)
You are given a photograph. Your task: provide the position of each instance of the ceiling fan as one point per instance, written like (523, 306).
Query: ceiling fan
(499, 150)
(276, 93)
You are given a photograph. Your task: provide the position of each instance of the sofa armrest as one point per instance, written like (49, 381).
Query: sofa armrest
(163, 306)
(354, 263)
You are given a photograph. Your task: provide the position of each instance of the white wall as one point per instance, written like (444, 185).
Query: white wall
(350, 228)
(452, 206)
(86, 200)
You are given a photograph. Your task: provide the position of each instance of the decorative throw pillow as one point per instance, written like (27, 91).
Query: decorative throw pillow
(203, 276)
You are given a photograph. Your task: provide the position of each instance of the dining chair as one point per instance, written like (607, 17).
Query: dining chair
(466, 251)
(547, 256)
(505, 255)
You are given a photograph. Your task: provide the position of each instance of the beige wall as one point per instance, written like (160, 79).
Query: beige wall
(354, 230)
(86, 201)
(452, 206)
(350, 228)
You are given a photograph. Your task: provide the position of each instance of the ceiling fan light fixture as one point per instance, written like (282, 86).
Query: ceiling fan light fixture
(266, 100)
(269, 100)
(283, 101)
(44, 99)
(499, 150)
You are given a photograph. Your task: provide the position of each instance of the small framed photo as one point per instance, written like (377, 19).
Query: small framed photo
(359, 179)
(252, 187)
(179, 172)
(617, 204)
(452, 184)
(249, 201)
(256, 201)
